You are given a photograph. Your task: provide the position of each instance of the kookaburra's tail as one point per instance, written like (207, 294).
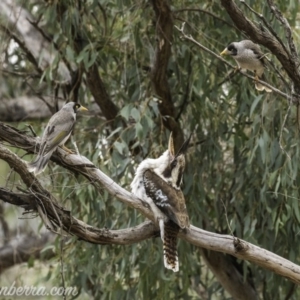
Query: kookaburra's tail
(170, 246)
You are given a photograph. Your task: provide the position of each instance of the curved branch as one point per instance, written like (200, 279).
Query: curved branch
(82, 230)
(39, 199)
(205, 239)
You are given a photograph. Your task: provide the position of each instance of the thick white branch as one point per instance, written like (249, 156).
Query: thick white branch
(202, 238)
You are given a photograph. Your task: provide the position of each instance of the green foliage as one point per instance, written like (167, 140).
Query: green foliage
(243, 179)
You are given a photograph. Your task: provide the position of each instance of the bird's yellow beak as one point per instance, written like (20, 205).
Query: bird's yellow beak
(225, 52)
(82, 108)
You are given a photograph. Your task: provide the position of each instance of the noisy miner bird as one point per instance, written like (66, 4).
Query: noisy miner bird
(57, 132)
(248, 56)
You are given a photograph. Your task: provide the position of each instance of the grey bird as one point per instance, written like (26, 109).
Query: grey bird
(248, 56)
(57, 132)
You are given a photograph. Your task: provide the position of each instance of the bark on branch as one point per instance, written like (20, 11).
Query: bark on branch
(201, 238)
(228, 275)
(164, 36)
(98, 90)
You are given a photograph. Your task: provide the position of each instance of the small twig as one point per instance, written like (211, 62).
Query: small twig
(20, 74)
(190, 38)
(229, 76)
(187, 91)
(282, 128)
(229, 227)
(40, 97)
(103, 11)
(32, 130)
(287, 27)
(278, 72)
(206, 12)
(75, 145)
(62, 264)
(44, 218)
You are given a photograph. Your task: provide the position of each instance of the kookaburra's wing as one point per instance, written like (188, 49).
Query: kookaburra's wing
(171, 202)
(168, 199)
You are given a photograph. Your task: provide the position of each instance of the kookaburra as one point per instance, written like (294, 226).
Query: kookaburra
(158, 182)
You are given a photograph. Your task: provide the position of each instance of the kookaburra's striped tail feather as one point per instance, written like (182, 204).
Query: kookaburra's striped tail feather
(170, 246)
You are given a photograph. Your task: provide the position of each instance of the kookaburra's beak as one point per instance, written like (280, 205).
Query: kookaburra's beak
(184, 147)
(224, 52)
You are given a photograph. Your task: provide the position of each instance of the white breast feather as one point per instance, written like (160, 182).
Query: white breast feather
(137, 185)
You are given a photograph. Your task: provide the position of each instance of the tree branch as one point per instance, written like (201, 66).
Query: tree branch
(228, 275)
(23, 248)
(39, 197)
(98, 90)
(164, 36)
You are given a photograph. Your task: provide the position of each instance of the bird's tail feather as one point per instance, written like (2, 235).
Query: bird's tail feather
(38, 165)
(261, 87)
(170, 246)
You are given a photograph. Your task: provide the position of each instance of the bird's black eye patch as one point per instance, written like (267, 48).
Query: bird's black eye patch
(231, 48)
(76, 107)
(174, 163)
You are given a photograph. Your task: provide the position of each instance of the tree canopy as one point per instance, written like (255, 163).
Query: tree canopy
(145, 69)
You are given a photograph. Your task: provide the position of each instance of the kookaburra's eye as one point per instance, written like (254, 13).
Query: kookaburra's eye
(77, 106)
(174, 163)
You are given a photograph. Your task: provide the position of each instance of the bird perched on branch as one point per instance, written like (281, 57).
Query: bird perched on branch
(158, 182)
(248, 56)
(57, 132)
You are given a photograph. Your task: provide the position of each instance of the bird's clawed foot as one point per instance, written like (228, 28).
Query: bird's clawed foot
(237, 69)
(68, 150)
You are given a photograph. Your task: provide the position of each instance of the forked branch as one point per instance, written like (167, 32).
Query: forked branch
(37, 196)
